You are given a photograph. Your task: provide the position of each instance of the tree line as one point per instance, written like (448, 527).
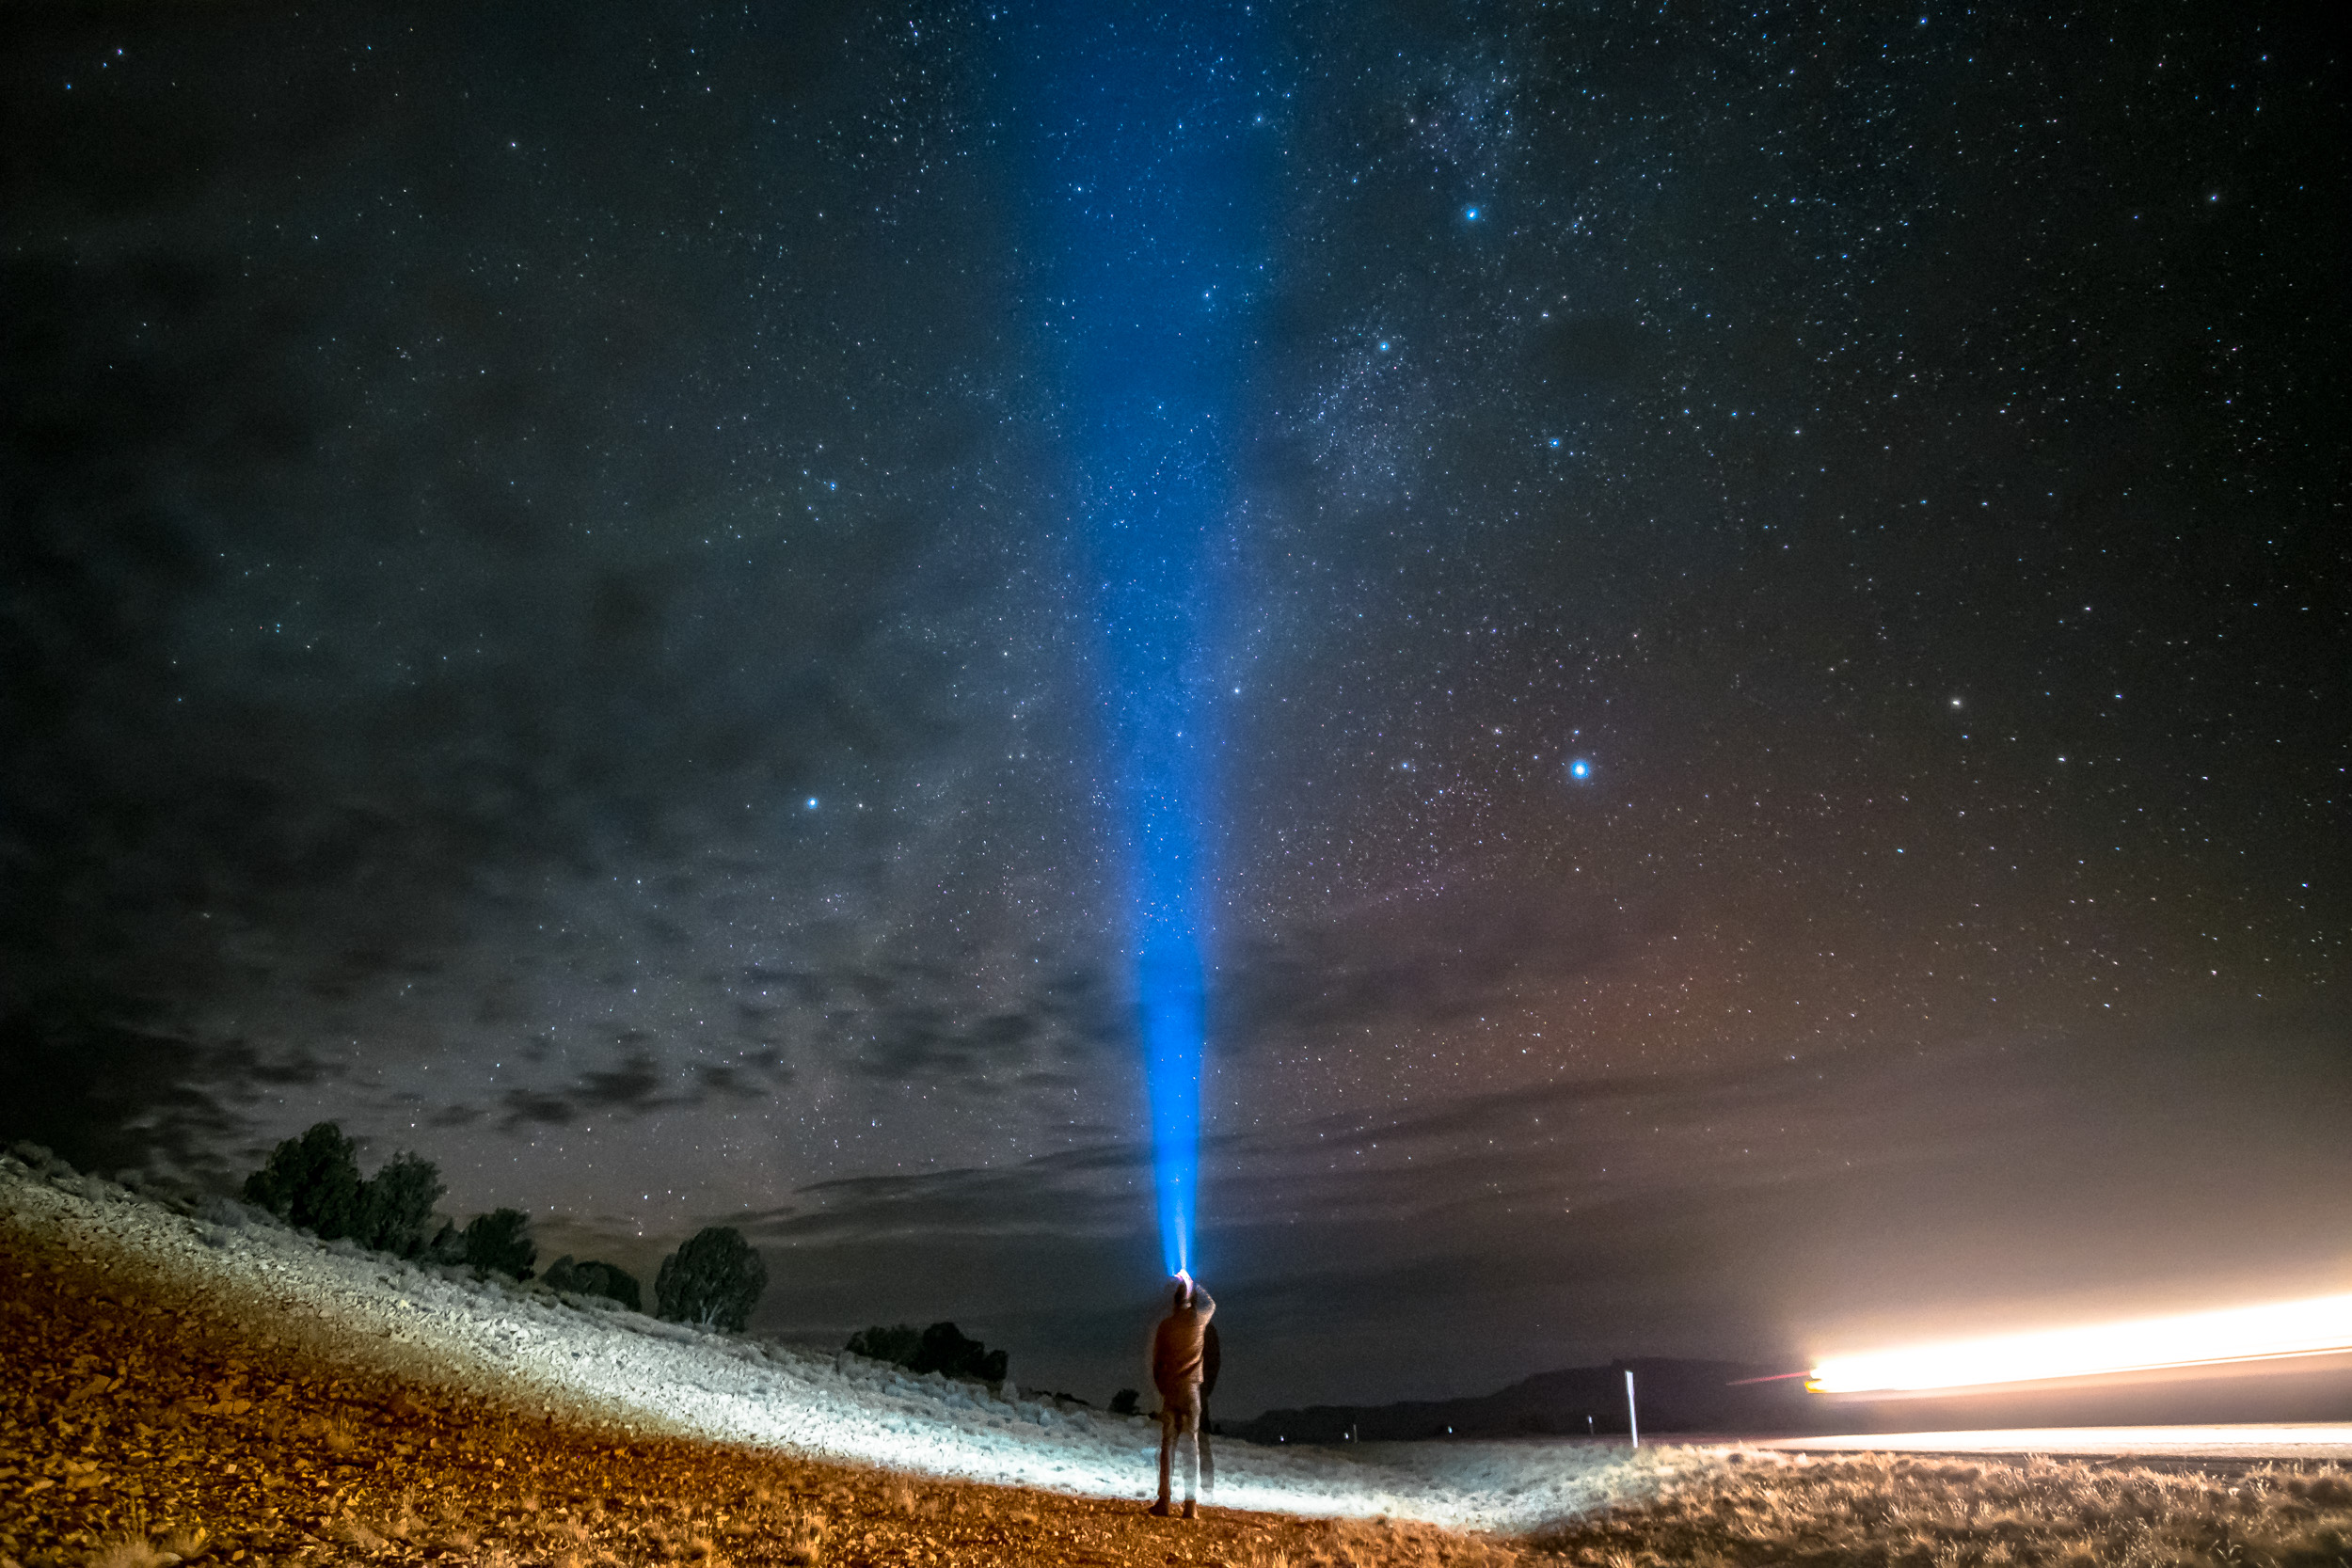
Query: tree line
(942, 1348)
(313, 1184)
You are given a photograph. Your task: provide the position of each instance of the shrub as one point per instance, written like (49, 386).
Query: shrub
(948, 1353)
(942, 1348)
(593, 1278)
(714, 1280)
(1124, 1403)
(897, 1345)
(396, 1205)
(312, 1182)
(501, 1242)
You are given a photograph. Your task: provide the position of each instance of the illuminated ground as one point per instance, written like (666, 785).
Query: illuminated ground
(139, 1428)
(207, 1371)
(250, 1398)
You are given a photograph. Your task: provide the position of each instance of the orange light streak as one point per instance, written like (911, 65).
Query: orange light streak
(2266, 1333)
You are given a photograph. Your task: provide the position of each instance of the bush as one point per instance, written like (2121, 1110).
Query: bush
(396, 1205)
(593, 1278)
(499, 1241)
(312, 1182)
(713, 1280)
(946, 1352)
(1124, 1403)
(940, 1348)
(897, 1346)
(448, 1246)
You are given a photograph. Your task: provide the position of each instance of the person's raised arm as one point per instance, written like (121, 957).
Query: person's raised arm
(1203, 1303)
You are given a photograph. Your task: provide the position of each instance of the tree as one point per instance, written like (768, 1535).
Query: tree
(942, 1348)
(312, 1182)
(501, 1242)
(593, 1278)
(620, 1285)
(714, 1279)
(897, 1346)
(1124, 1403)
(948, 1352)
(396, 1205)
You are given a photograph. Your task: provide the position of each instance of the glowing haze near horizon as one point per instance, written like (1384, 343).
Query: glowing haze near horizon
(1675, 677)
(2266, 1333)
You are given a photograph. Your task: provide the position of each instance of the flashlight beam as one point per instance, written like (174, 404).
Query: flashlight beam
(2282, 1329)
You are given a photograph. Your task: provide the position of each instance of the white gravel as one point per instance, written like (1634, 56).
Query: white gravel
(587, 1360)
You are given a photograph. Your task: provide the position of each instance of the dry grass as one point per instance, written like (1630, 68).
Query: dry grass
(1390, 1543)
(1901, 1511)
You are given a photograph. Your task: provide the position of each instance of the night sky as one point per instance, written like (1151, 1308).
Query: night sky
(1768, 601)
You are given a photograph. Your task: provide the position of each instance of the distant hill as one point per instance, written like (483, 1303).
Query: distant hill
(1673, 1396)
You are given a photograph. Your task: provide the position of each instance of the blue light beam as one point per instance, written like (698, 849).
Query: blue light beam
(1151, 160)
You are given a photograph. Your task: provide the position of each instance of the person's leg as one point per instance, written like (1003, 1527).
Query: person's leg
(1188, 1427)
(1208, 1455)
(1167, 1439)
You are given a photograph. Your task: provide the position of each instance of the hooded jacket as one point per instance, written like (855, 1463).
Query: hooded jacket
(1179, 1343)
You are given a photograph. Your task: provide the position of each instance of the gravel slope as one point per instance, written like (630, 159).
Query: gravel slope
(581, 1360)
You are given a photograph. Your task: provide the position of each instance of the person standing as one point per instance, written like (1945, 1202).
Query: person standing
(1179, 1353)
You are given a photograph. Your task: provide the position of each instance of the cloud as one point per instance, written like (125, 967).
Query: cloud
(1072, 1192)
(639, 1084)
(109, 1096)
(1413, 959)
(938, 1022)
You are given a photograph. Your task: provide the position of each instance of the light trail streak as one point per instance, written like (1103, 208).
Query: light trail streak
(2314, 1327)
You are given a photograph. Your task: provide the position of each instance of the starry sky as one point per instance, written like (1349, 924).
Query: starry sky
(1774, 622)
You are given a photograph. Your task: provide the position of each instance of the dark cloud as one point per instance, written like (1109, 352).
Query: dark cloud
(640, 1084)
(1420, 959)
(110, 1097)
(922, 1022)
(1075, 1193)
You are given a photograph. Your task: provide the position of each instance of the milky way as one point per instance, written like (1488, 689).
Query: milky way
(558, 570)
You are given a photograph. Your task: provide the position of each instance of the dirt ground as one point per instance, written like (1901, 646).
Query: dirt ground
(138, 1428)
(1907, 1510)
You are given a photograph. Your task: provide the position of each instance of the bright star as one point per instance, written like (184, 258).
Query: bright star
(1580, 769)
(812, 803)
(1472, 214)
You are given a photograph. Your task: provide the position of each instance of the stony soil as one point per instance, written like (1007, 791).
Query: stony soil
(629, 1378)
(183, 1384)
(137, 1425)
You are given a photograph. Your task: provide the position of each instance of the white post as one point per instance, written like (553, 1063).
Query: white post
(1631, 1420)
